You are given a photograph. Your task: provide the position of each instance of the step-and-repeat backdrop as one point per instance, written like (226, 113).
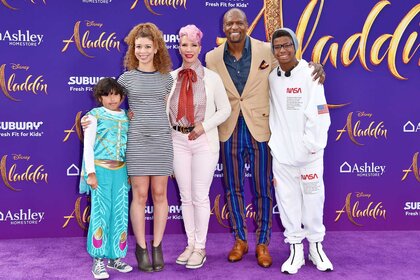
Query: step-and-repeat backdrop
(53, 52)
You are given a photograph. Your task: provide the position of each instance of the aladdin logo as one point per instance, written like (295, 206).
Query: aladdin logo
(85, 41)
(5, 3)
(21, 38)
(77, 127)
(355, 211)
(363, 170)
(22, 217)
(293, 90)
(32, 173)
(411, 127)
(357, 130)
(80, 212)
(383, 47)
(150, 4)
(32, 84)
(414, 167)
(222, 213)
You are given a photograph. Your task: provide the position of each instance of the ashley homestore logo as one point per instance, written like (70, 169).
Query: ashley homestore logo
(363, 170)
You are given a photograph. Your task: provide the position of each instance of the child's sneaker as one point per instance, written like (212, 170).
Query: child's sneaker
(98, 269)
(119, 265)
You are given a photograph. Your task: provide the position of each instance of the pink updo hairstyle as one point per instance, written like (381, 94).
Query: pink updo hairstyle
(192, 32)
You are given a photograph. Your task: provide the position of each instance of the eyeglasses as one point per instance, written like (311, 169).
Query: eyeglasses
(287, 46)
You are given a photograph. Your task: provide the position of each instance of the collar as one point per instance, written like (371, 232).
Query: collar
(197, 67)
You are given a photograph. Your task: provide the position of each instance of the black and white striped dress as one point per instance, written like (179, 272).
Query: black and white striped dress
(149, 145)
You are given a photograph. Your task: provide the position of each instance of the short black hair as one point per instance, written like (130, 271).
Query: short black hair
(105, 86)
(281, 33)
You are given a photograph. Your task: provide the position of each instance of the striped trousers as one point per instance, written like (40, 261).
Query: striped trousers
(239, 149)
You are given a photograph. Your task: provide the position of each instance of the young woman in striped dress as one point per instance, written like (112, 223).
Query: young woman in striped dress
(149, 147)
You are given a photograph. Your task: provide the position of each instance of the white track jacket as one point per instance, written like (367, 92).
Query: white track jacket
(299, 117)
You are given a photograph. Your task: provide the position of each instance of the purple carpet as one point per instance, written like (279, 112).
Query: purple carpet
(355, 255)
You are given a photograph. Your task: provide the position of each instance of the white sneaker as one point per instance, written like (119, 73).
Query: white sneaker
(119, 265)
(98, 269)
(183, 258)
(295, 260)
(318, 257)
(197, 259)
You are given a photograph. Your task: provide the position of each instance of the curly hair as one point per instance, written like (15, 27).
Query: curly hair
(161, 60)
(106, 86)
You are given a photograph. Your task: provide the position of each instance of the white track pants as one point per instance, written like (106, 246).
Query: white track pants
(300, 198)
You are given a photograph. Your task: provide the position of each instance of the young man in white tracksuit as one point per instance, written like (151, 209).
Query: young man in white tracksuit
(299, 122)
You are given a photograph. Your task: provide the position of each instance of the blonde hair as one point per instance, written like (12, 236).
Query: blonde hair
(161, 60)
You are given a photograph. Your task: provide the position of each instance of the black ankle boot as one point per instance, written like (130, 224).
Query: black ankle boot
(157, 257)
(143, 260)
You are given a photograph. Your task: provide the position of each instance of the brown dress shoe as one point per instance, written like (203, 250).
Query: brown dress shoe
(239, 249)
(263, 255)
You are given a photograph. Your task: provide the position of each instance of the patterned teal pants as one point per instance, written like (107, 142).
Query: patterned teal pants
(107, 235)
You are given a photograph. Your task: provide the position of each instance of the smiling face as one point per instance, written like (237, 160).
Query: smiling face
(145, 51)
(235, 26)
(189, 51)
(112, 101)
(284, 52)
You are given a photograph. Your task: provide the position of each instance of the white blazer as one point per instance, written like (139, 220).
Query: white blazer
(217, 105)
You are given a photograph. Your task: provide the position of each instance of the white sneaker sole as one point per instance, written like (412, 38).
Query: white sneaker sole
(120, 270)
(293, 271)
(100, 276)
(196, 265)
(181, 262)
(318, 266)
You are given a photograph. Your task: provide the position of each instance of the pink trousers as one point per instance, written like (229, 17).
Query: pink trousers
(194, 166)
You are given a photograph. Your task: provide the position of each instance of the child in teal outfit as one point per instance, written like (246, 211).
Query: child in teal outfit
(105, 177)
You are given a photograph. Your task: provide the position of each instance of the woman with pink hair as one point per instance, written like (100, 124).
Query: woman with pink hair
(197, 104)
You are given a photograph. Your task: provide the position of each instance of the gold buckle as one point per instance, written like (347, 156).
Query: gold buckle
(183, 130)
